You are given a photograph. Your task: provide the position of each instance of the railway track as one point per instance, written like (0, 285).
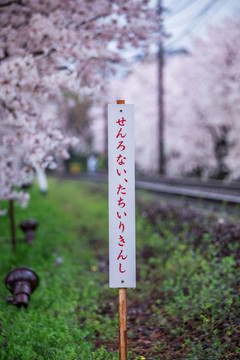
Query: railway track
(193, 193)
(212, 191)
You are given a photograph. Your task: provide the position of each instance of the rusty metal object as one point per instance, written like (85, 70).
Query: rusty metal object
(21, 282)
(28, 227)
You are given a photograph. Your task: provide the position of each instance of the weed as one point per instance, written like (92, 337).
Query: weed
(187, 299)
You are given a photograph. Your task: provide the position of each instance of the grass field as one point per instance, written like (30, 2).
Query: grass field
(185, 306)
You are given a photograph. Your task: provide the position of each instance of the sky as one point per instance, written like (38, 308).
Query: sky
(186, 19)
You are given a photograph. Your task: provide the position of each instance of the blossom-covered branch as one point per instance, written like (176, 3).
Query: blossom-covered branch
(47, 48)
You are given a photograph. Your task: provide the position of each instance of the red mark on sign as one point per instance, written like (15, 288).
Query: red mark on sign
(121, 190)
(120, 134)
(121, 121)
(120, 256)
(121, 203)
(122, 240)
(120, 159)
(121, 226)
(121, 146)
(120, 216)
(120, 269)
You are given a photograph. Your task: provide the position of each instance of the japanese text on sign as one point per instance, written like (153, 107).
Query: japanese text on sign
(122, 272)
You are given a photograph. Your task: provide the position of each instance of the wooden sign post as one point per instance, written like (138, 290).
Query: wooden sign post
(12, 224)
(121, 170)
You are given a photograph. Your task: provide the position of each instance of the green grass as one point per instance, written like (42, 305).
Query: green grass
(61, 320)
(195, 281)
(186, 301)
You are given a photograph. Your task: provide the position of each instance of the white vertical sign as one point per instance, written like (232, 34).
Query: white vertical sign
(121, 178)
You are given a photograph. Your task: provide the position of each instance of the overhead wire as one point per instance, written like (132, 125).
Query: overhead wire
(185, 4)
(196, 21)
(177, 19)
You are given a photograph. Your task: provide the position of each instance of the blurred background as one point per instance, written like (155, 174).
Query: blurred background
(185, 92)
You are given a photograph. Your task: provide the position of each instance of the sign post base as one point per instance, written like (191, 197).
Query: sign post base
(122, 323)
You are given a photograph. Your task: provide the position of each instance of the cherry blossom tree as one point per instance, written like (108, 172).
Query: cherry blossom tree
(202, 111)
(46, 48)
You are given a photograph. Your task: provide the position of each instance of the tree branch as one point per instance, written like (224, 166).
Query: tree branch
(4, 3)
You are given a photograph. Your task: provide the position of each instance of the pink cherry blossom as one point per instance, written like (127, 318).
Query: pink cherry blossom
(201, 98)
(46, 49)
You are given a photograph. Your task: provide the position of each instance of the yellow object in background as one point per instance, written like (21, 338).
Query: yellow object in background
(75, 168)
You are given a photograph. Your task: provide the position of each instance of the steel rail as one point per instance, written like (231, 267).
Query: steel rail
(209, 185)
(178, 187)
(185, 192)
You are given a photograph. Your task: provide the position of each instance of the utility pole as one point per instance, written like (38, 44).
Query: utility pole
(160, 58)
(105, 131)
